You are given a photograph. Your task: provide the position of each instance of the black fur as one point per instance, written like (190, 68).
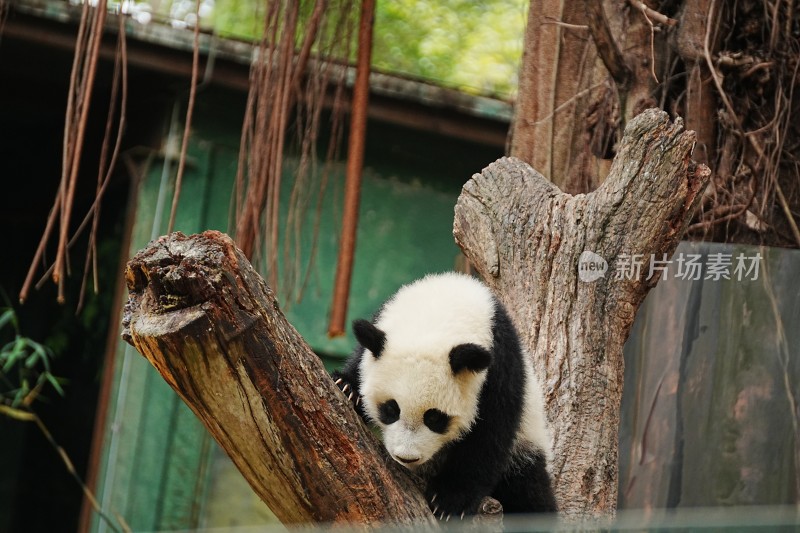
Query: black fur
(436, 420)
(526, 488)
(469, 357)
(481, 463)
(369, 336)
(347, 377)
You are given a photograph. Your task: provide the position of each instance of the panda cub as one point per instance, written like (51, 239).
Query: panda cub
(440, 370)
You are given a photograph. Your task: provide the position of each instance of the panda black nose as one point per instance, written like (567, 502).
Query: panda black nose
(407, 460)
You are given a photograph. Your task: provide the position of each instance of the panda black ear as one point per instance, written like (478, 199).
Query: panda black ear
(369, 336)
(469, 357)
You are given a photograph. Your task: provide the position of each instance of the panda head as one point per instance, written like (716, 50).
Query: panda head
(425, 361)
(420, 401)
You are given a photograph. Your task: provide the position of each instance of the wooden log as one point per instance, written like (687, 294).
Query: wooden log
(208, 323)
(527, 239)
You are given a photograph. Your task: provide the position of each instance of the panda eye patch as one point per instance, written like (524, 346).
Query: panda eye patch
(389, 412)
(436, 420)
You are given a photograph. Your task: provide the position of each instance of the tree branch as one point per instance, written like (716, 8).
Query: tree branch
(606, 45)
(652, 13)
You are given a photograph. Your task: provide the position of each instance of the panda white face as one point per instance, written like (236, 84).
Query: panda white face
(425, 362)
(419, 404)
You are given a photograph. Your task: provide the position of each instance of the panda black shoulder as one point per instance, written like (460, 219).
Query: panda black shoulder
(503, 394)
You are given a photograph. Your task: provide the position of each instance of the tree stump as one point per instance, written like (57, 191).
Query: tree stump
(528, 241)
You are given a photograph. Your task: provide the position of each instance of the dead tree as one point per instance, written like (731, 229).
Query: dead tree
(213, 329)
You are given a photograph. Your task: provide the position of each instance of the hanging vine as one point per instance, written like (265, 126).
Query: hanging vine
(299, 71)
(299, 57)
(79, 99)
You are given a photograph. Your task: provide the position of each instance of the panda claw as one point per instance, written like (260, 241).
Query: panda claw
(338, 381)
(447, 519)
(358, 401)
(435, 509)
(346, 388)
(462, 516)
(433, 499)
(350, 398)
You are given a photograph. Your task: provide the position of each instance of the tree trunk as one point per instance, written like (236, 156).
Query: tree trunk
(557, 75)
(528, 240)
(570, 111)
(210, 325)
(729, 67)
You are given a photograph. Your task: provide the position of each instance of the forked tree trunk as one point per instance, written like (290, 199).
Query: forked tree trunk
(212, 328)
(526, 238)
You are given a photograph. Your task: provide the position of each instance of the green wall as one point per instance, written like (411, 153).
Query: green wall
(161, 470)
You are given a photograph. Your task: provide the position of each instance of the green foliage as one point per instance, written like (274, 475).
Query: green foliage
(24, 366)
(473, 46)
(238, 18)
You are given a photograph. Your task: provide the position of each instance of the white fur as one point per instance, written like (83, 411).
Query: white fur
(533, 430)
(423, 321)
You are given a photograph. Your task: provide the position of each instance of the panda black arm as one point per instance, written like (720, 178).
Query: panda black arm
(472, 469)
(475, 464)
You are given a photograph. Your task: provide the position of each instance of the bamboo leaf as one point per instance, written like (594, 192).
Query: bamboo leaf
(14, 354)
(17, 414)
(7, 317)
(30, 361)
(19, 396)
(54, 382)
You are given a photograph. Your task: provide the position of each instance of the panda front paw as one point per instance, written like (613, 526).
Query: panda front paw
(347, 389)
(453, 505)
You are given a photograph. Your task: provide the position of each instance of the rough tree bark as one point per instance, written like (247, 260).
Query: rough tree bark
(569, 109)
(525, 237)
(212, 328)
